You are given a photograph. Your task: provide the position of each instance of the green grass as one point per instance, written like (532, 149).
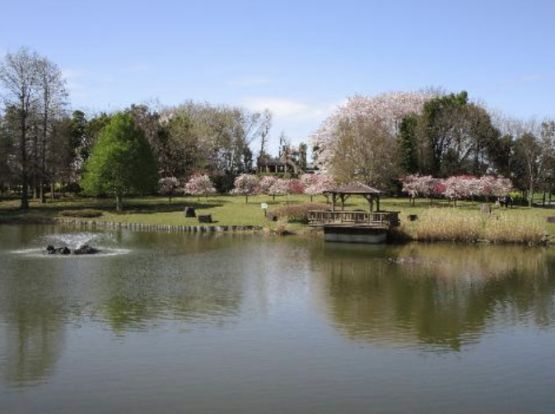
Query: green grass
(232, 210)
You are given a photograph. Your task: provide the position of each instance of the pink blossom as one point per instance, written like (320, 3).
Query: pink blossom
(280, 187)
(296, 186)
(199, 185)
(316, 183)
(245, 184)
(265, 184)
(388, 109)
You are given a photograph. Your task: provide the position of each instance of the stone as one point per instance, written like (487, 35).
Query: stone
(85, 249)
(206, 218)
(190, 212)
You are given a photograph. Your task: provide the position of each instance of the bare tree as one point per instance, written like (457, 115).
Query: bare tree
(53, 94)
(363, 150)
(18, 75)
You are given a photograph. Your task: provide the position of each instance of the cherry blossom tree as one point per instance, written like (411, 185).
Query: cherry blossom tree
(459, 187)
(501, 187)
(315, 184)
(296, 186)
(280, 187)
(386, 111)
(168, 186)
(199, 185)
(245, 184)
(422, 186)
(265, 184)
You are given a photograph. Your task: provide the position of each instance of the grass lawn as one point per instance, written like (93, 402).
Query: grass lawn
(232, 210)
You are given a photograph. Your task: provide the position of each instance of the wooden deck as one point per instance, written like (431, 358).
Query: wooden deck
(383, 219)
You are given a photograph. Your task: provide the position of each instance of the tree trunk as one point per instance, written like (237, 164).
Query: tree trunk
(52, 195)
(119, 202)
(24, 178)
(531, 195)
(42, 194)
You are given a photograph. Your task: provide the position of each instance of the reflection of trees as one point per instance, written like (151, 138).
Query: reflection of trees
(441, 295)
(183, 282)
(34, 332)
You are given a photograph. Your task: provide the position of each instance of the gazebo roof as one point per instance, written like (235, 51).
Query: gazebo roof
(354, 188)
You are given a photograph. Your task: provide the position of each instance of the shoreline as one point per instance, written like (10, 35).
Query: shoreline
(395, 237)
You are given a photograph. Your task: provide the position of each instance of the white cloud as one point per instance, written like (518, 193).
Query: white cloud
(288, 108)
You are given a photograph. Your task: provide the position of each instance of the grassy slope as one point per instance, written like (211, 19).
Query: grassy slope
(228, 210)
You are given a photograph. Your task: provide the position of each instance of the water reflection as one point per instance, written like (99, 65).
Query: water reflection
(442, 296)
(33, 334)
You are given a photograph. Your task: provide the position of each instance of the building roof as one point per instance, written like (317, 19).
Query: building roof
(354, 188)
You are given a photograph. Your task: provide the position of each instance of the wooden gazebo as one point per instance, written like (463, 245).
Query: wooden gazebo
(344, 191)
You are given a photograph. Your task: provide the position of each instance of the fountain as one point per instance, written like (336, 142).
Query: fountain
(73, 245)
(64, 250)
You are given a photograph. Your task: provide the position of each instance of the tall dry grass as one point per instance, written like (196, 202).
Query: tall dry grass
(440, 224)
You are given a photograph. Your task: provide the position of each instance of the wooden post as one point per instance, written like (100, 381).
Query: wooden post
(342, 196)
(377, 203)
(333, 201)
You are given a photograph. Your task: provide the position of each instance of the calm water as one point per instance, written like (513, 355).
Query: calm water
(166, 323)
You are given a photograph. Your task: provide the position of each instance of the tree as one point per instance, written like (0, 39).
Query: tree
(386, 110)
(453, 136)
(529, 159)
(315, 184)
(19, 75)
(168, 186)
(245, 184)
(121, 162)
(53, 93)
(280, 187)
(365, 151)
(199, 185)
(408, 160)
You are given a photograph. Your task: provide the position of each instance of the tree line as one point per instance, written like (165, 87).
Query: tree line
(44, 146)
(380, 139)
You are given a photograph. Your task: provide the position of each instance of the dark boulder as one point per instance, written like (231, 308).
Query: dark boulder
(85, 249)
(63, 251)
(190, 212)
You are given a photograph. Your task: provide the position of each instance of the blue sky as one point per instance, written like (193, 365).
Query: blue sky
(299, 58)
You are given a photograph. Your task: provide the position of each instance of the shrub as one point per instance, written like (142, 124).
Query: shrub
(297, 213)
(86, 213)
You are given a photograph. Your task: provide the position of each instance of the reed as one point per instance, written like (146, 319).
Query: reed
(439, 224)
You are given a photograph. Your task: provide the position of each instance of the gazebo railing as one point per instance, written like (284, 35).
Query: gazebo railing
(321, 217)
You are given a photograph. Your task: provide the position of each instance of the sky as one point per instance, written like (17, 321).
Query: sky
(300, 59)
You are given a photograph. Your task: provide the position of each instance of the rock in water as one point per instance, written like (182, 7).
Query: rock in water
(63, 250)
(85, 249)
(50, 249)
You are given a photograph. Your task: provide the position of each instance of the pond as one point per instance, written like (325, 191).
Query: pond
(165, 323)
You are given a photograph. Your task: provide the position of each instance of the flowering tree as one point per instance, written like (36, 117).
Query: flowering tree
(456, 187)
(422, 186)
(296, 186)
(168, 186)
(265, 184)
(315, 184)
(199, 185)
(245, 184)
(460, 186)
(501, 187)
(280, 187)
(491, 186)
(369, 125)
